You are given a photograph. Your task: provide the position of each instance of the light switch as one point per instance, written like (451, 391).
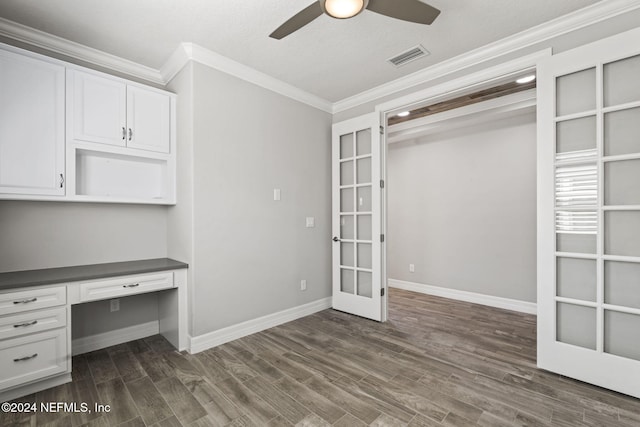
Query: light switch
(276, 194)
(311, 222)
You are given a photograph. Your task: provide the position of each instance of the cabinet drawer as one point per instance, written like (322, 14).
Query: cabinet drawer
(33, 357)
(123, 286)
(32, 321)
(32, 299)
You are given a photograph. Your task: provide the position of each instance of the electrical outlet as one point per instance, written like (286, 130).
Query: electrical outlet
(115, 305)
(412, 268)
(276, 194)
(303, 285)
(311, 222)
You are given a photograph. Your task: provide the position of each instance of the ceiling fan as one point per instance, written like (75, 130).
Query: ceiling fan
(406, 10)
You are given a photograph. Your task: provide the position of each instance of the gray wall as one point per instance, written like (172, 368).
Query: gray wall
(250, 252)
(56, 234)
(462, 208)
(180, 216)
(94, 318)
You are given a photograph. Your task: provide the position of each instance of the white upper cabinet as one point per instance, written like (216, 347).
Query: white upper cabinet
(69, 133)
(31, 126)
(148, 119)
(109, 111)
(97, 108)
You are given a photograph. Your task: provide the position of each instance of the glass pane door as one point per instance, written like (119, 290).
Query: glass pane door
(356, 208)
(589, 213)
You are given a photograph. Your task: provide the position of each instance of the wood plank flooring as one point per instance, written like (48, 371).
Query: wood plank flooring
(437, 362)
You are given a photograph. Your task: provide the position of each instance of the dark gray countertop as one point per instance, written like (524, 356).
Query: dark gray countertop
(48, 276)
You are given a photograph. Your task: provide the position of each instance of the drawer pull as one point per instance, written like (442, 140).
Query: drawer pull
(22, 359)
(22, 325)
(26, 301)
(131, 286)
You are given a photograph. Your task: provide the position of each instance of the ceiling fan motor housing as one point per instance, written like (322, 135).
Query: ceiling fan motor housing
(355, 3)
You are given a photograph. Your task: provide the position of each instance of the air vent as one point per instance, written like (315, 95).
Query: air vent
(407, 56)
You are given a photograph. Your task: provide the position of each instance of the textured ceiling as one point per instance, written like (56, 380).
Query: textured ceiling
(333, 59)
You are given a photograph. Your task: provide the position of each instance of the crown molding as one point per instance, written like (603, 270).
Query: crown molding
(562, 25)
(176, 62)
(49, 42)
(192, 52)
(181, 56)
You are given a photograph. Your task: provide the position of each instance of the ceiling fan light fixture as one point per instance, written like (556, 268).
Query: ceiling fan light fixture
(343, 9)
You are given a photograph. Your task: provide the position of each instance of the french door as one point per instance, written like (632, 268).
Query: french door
(589, 213)
(356, 212)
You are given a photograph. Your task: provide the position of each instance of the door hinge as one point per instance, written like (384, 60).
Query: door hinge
(382, 292)
(382, 238)
(381, 130)
(382, 183)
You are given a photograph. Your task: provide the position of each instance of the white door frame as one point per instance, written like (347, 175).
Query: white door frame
(434, 94)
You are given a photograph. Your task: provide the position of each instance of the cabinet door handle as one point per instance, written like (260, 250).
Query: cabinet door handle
(23, 325)
(131, 286)
(61, 180)
(22, 359)
(26, 301)
(130, 134)
(124, 133)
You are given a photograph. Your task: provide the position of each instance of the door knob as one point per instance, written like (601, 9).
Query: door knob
(335, 239)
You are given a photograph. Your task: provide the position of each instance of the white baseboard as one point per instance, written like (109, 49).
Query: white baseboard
(499, 302)
(118, 336)
(230, 333)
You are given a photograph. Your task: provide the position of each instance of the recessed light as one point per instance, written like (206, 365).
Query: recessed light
(403, 114)
(526, 79)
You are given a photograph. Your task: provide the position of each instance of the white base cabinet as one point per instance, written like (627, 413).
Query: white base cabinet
(68, 133)
(34, 338)
(35, 325)
(33, 357)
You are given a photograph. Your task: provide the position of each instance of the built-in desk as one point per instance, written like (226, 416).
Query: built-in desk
(35, 314)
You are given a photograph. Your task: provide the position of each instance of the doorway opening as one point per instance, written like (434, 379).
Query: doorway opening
(461, 196)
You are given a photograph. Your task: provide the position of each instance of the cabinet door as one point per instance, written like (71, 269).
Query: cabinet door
(32, 357)
(31, 126)
(148, 119)
(97, 108)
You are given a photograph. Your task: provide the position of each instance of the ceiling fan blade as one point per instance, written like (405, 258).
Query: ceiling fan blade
(406, 10)
(298, 21)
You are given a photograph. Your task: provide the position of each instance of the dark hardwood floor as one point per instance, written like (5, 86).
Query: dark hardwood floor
(437, 362)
